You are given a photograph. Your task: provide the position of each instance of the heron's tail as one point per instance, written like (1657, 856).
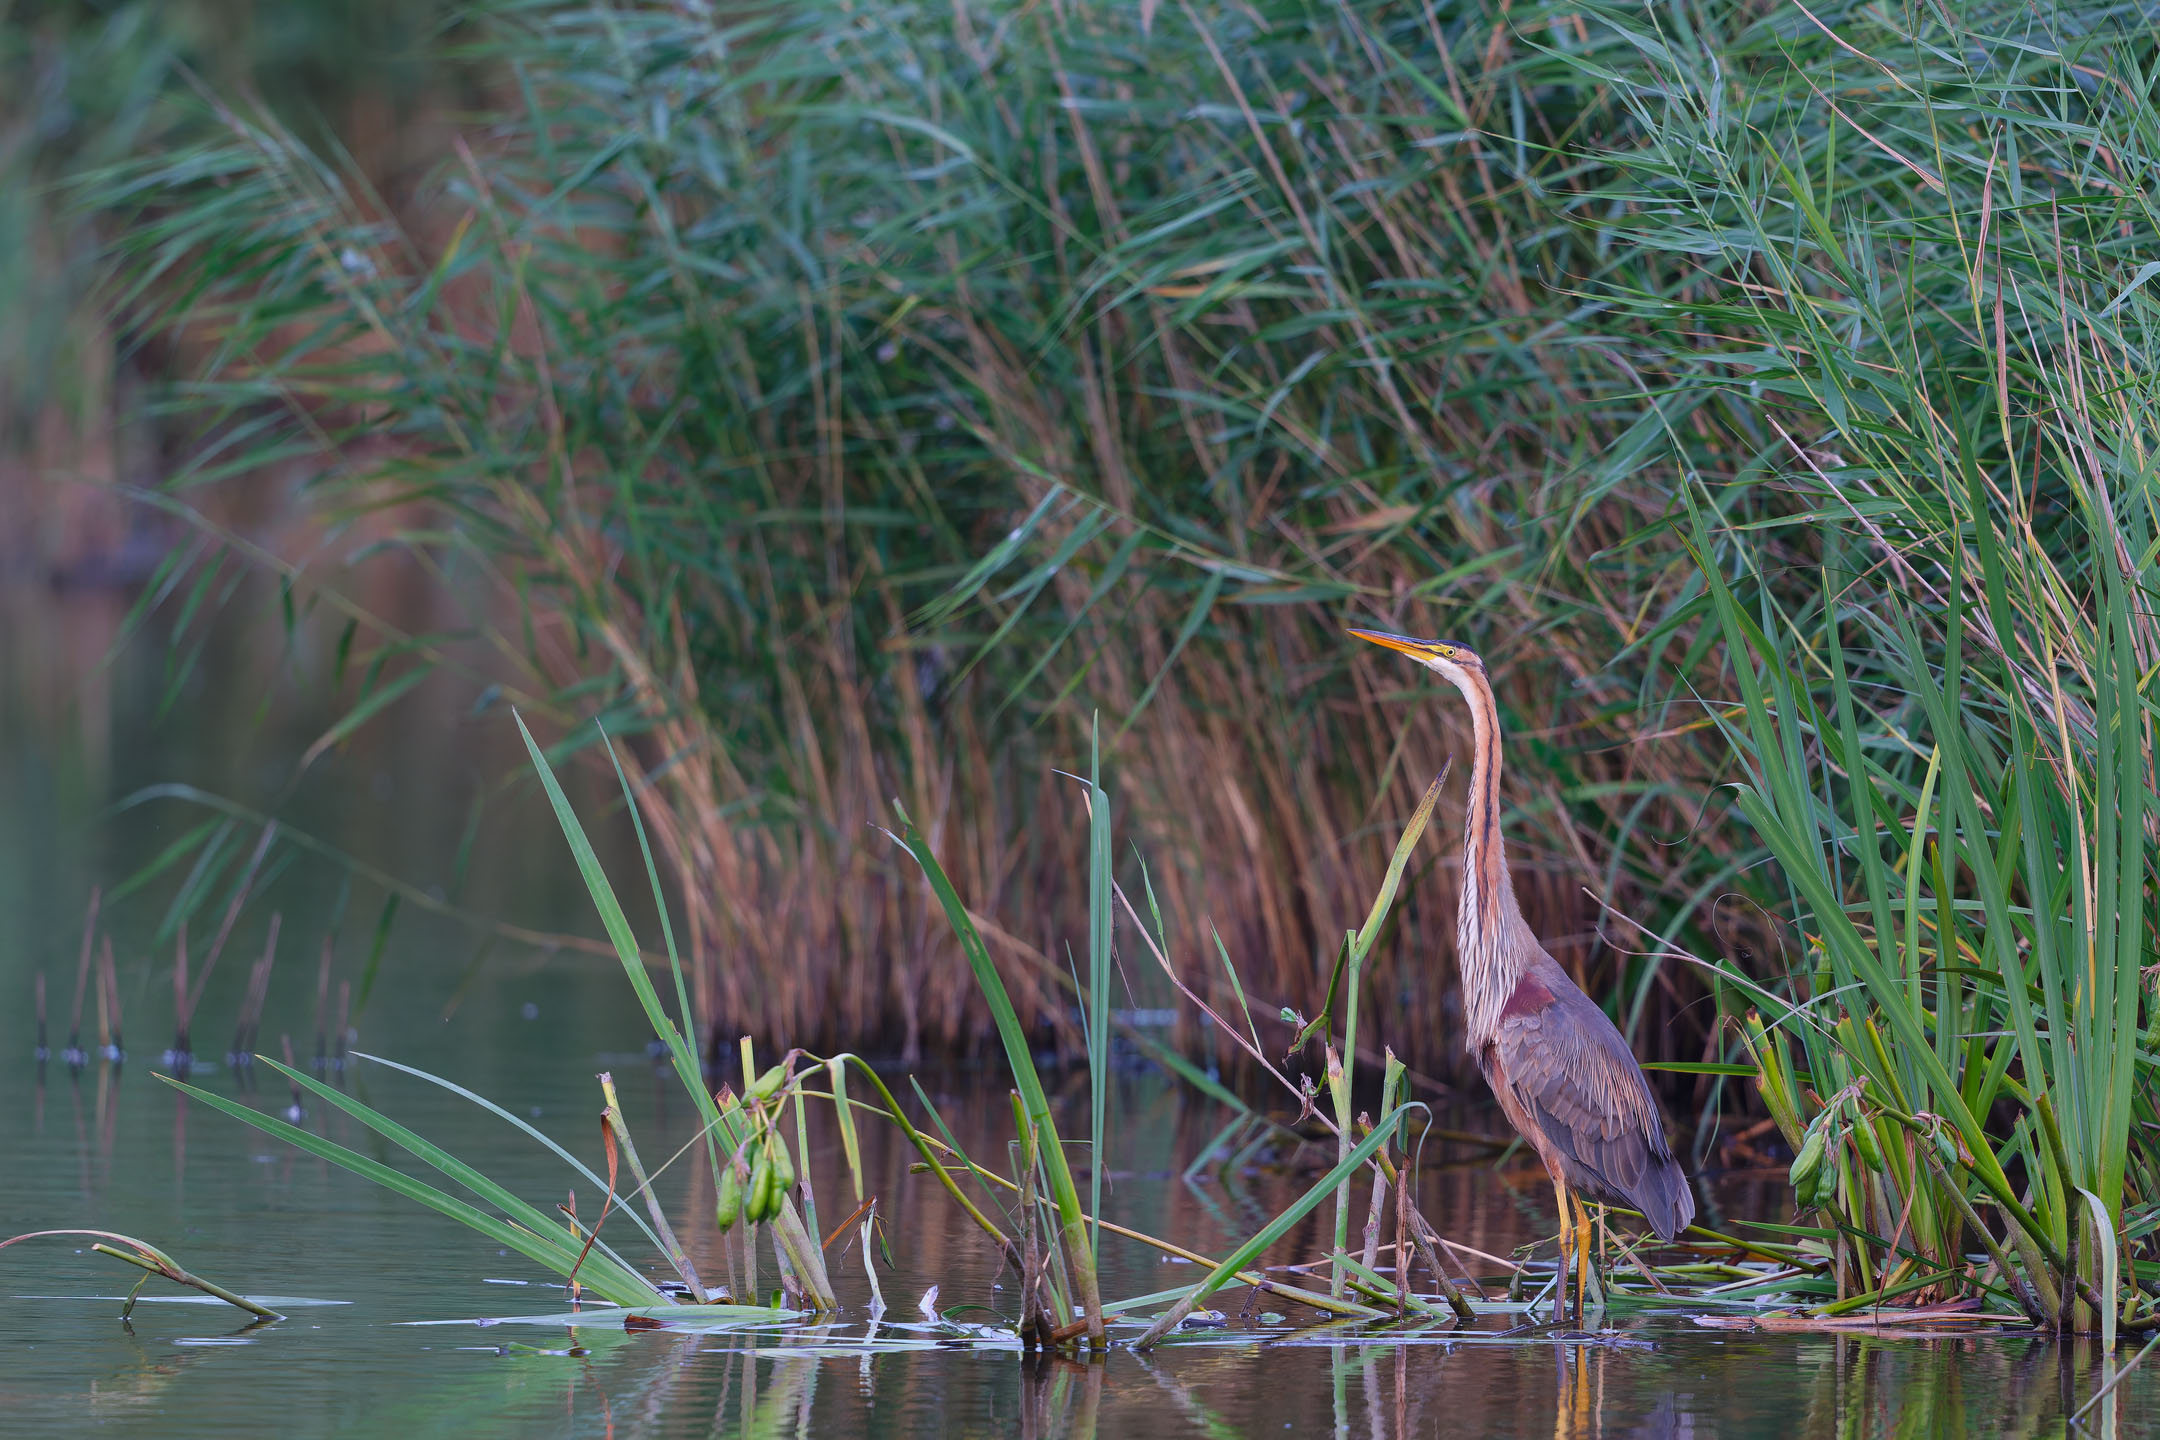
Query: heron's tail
(1665, 1199)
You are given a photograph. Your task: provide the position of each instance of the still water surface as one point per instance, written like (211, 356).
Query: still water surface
(359, 1268)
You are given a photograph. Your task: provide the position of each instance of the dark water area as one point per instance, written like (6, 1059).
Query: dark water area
(368, 1279)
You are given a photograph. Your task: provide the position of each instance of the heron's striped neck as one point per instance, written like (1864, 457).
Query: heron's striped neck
(1487, 918)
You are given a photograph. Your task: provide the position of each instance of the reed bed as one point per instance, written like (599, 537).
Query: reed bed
(1937, 652)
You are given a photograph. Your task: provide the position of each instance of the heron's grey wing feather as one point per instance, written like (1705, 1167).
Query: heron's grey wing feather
(1571, 1070)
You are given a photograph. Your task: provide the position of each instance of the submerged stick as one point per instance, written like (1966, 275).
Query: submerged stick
(115, 1046)
(180, 1057)
(295, 1112)
(341, 1034)
(74, 1053)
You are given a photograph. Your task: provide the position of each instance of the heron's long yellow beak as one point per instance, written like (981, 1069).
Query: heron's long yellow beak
(1415, 649)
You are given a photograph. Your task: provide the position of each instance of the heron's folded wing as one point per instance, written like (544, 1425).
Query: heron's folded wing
(1572, 1072)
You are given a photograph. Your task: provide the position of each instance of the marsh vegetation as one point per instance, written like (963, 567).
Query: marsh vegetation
(830, 422)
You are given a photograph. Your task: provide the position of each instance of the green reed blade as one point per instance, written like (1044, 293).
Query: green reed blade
(525, 1215)
(652, 877)
(802, 1249)
(1355, 947)
(1098, 1036)
(1020, 1059)
(492, 1108)
(844, 1115)
(543, 1247)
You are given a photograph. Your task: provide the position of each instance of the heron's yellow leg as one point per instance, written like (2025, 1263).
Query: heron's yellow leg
(1583, 1240)
(1567, 1235)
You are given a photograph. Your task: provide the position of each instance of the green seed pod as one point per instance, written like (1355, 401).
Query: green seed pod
(1807, 1166)
(1946, 1147)
(763, 1200)
(783, 1165)
(1826, 1183)
(730, 1208)
(1864, 1141)
(767, 1085)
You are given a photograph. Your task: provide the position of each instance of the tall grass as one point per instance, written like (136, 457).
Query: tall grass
(845, 403)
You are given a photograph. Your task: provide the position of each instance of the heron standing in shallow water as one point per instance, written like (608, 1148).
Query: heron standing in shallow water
(1555, 1062)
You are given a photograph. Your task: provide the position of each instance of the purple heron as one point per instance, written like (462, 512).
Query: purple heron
(1555, 1062)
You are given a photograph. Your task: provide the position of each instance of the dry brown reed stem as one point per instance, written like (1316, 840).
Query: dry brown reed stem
(82, 979)
(322, 1007)
(258, 991)
(112, 986)
(180, 991)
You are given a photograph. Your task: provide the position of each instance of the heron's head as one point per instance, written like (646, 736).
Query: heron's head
(1457, 664)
